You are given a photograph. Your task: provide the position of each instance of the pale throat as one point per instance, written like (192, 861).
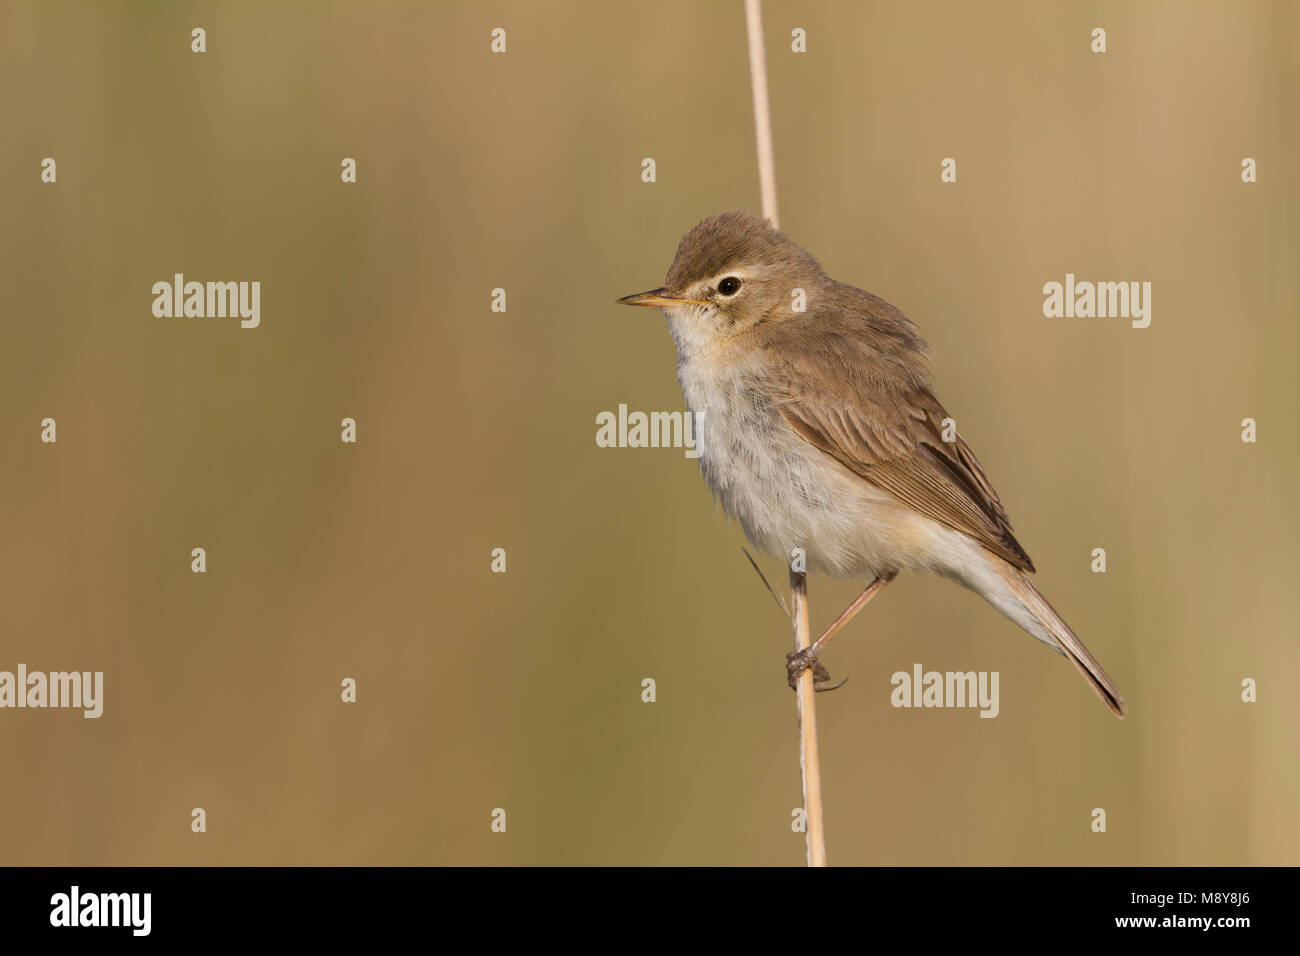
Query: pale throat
(692, 328)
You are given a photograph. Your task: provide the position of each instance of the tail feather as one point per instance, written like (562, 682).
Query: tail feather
(1070, 645)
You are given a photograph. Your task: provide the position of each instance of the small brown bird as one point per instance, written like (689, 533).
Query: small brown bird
(821, 431)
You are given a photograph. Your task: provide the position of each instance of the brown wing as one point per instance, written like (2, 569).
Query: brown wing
(861, 396)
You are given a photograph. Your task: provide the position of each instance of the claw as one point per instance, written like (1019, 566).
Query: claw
(796, 662)
(824, 687)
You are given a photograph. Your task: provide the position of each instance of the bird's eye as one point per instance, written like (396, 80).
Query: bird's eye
(729, 286)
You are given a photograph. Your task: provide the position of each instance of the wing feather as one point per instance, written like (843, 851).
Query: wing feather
(860, 394)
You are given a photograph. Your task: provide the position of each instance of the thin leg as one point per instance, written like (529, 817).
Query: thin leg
(850, 612)
(797, 663)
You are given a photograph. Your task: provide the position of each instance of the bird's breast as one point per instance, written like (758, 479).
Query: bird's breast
(785, 493)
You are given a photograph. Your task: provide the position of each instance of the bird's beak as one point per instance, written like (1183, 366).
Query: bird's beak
(662, 296)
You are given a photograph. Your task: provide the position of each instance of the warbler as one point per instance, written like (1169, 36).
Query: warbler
(822, 430)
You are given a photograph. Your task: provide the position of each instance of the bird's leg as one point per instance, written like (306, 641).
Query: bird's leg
(799, 661)
(851, 611)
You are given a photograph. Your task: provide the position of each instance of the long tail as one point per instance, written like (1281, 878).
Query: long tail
(1070, 645)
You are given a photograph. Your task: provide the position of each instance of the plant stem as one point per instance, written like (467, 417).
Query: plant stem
(762, 115)
(809, 757)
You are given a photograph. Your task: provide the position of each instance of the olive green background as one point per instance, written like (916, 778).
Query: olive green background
(477, 430)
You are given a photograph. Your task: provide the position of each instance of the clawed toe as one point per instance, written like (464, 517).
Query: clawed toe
(796, 662)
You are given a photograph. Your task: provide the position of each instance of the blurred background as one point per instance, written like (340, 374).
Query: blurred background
(476, 430)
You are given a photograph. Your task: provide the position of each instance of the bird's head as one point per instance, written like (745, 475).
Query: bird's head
(732, 272)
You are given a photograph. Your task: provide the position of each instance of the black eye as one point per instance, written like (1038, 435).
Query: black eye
(729, 286)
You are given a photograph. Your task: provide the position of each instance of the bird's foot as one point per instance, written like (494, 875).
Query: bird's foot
(796, 662)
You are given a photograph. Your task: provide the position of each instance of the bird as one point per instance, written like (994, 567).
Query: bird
(818, 429)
